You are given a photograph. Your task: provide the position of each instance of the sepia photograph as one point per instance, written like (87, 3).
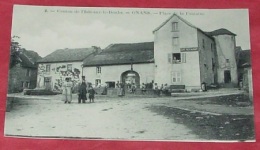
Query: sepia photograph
(146, 74)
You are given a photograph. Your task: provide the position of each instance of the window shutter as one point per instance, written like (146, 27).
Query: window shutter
(170, 58)
(183, 57)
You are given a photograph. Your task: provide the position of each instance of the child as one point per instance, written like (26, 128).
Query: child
(92, 93)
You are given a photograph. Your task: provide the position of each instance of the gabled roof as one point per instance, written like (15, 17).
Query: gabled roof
(244, 58)
(185, 21)
(68, 55)
(124, 53)
(28, 58)
(221, 31)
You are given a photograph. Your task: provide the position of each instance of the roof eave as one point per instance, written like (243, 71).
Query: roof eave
(205, 33)
(113, 64)
(39, 62)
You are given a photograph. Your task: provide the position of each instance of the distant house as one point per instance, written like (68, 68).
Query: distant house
(125, 62)
(23, 74)
(245, 70)
(62, 63)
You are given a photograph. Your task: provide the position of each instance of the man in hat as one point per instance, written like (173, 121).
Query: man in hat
(82, 95)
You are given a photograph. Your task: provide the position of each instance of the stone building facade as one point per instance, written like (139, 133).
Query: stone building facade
(181, 54)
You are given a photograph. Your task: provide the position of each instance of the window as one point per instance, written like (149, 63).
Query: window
(69, 67)
(176, 77)
(175, 26)
(183, 57)
(98, 70)
(175, 41)
(48, 68)
(177, 58)
(227, 60)
(27, 84)
(227, 63)
(203, 43)
(47, 80)
(28, 73)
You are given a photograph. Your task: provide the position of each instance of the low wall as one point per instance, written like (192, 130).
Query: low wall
(114, 91)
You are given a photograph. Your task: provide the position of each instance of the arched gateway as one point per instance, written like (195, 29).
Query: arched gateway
(129, 77)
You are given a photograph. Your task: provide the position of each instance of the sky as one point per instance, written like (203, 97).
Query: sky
(45, 29)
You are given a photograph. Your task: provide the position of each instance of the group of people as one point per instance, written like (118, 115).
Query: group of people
(158, 90)
(83, 89)
(163, 89)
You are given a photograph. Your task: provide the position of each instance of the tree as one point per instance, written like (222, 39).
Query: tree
(15, 49)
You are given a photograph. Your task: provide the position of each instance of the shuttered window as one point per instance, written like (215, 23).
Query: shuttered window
(176, 77)
(174, 58)
(183, 57)
(170, 58)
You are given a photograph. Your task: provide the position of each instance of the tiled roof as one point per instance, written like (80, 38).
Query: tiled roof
(68, 55)
(244, 58)
(221, 31)
(125, 53)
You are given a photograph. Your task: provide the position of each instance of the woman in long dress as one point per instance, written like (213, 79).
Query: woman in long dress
(67, 91)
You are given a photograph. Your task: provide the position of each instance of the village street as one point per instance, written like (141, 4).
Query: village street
(210, 117)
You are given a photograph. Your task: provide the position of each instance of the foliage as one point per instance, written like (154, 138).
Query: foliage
(15, 49)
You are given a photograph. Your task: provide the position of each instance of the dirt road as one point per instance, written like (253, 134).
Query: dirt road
(135, 118)
(109, 119)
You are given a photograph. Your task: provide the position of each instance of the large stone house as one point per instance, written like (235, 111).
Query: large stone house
(24, 74)
(62, 63)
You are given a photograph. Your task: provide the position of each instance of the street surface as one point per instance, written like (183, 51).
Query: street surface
(133, 117)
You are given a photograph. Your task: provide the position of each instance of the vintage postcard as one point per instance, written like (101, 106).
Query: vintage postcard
(130, 74)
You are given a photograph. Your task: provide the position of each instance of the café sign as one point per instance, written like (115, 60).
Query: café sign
(189, 49)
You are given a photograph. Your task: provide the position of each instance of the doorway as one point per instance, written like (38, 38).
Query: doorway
(130, 77)
(47, 83)
(227, 76)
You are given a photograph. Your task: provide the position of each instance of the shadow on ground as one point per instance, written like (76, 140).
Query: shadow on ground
(236, 100)
(211, 127)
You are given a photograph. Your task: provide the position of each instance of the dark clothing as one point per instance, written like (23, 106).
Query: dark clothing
(143, 89)
(156, 90)
(82, 92)
(92, 93)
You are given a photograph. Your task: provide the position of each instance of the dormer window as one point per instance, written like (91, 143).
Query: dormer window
(175, 26)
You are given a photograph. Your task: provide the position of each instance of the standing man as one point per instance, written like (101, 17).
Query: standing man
(82, 91)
